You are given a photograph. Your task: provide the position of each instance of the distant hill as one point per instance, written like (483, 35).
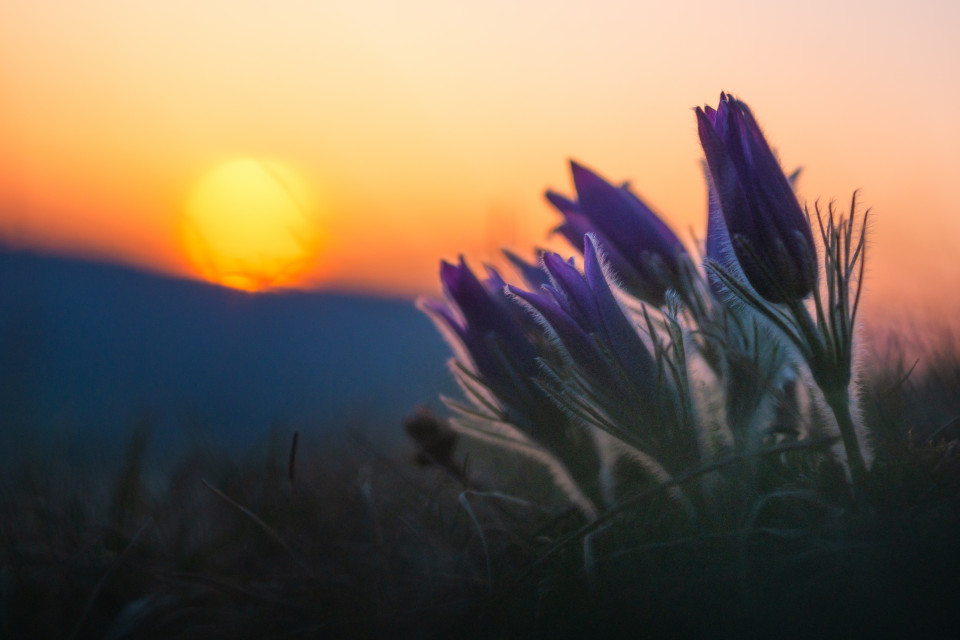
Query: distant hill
(88, 349)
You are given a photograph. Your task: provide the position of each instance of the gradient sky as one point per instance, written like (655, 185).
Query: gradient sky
(432, 128)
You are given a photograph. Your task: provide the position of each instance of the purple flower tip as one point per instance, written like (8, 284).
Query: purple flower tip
(640, 248)
(768, 231)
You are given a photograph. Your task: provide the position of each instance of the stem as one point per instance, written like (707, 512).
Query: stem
(839, 401)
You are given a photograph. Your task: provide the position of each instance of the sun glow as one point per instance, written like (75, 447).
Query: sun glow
(253, 224)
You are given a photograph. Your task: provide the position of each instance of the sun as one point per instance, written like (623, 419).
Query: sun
(253, 224)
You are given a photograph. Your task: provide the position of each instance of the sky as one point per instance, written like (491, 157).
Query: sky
(427, 129)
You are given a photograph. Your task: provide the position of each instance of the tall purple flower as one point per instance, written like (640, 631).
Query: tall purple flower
(640, 248)
(592, 327)
(609, 375)
(500, 345)
(486, 328)
(762, 222)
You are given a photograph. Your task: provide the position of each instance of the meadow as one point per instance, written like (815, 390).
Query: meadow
(647, 441)
(359, 542)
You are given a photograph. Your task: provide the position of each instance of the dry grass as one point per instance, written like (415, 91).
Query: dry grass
(363, 543)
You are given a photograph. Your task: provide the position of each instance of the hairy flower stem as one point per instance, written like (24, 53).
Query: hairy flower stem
(826, 341)
(839, 402)
(831, 370)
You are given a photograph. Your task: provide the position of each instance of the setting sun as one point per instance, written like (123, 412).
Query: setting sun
(253, 224)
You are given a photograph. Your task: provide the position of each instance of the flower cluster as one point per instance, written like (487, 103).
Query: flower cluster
(640, 360)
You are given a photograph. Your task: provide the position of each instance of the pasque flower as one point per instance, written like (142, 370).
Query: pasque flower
(755, 216)
(769, 233)
(576, 373)
(608, 375)
(487, 326)
(641, 249)
(586, 318)
(499, 346)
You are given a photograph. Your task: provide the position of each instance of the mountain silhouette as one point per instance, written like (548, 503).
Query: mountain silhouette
(87, 349)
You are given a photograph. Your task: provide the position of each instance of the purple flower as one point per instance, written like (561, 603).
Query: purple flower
(500, 345)
(485, 323)
(759, 219)
(586, 318)
(640, 248)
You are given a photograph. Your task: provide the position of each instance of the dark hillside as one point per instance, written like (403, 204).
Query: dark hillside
(87, 349)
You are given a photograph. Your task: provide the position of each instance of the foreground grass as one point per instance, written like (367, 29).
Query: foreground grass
(362, 543)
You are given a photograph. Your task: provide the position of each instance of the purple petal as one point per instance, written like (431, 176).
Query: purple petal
(623, 218)
(484, 315)
(562, 203)
(574, 227)
(575, 296)
(532, 274)
(710, 112)
(618, 331)
(494, 283)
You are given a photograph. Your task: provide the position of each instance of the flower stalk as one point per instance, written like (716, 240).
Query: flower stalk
(826, 341)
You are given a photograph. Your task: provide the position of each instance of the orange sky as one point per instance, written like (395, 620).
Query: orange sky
(432, 128)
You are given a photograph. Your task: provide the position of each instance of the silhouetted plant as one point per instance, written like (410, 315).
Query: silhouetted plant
(663, 368)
